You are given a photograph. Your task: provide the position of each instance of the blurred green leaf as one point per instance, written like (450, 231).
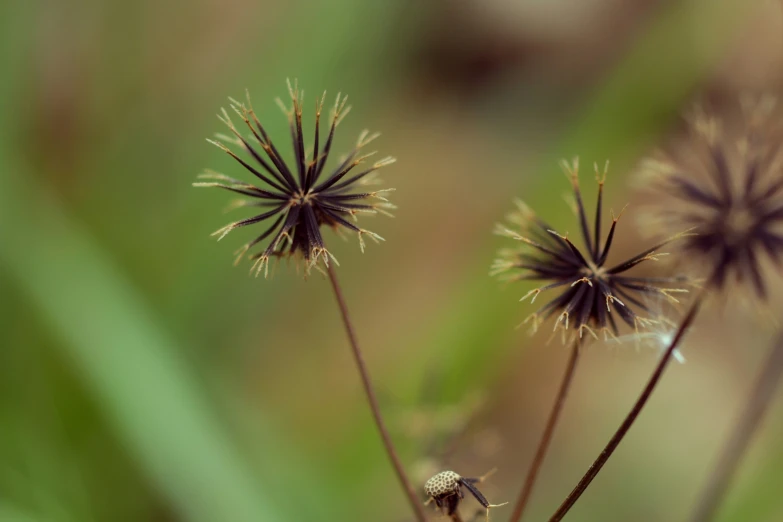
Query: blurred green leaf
(9, 513)
(150, 395)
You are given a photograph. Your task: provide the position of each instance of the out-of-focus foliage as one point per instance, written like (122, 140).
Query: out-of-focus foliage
(143, 377)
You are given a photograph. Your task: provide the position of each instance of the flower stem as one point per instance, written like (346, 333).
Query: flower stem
(617, 438)
(546, 437)
(751, 418)
(416, 505)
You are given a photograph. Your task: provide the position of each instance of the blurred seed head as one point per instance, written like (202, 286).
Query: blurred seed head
(298, 199)
(725, 181)
(591, 292)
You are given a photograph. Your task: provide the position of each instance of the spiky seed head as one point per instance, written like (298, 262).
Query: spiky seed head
(591, 292)
(442, 484)
(724, 180)
(299, 196)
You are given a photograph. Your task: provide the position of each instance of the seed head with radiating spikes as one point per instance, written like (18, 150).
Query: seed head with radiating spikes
(591, 292)
(726, 182)
(298, 200)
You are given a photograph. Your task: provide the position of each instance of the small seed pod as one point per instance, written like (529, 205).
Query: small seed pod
(445, 489)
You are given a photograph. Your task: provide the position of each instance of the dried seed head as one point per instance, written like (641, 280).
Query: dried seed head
(591, 292)
(724, 180)
(299, 199)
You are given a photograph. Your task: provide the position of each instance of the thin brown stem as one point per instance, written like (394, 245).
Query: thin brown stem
(416, 505)
(742, 435)
(614, 442)
(546, 436)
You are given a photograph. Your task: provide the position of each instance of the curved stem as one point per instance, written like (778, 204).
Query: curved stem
(632, 415)
(755, 408)
(546, 436)
(416, 505)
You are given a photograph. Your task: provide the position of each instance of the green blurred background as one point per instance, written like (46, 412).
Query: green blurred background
(143, 377)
